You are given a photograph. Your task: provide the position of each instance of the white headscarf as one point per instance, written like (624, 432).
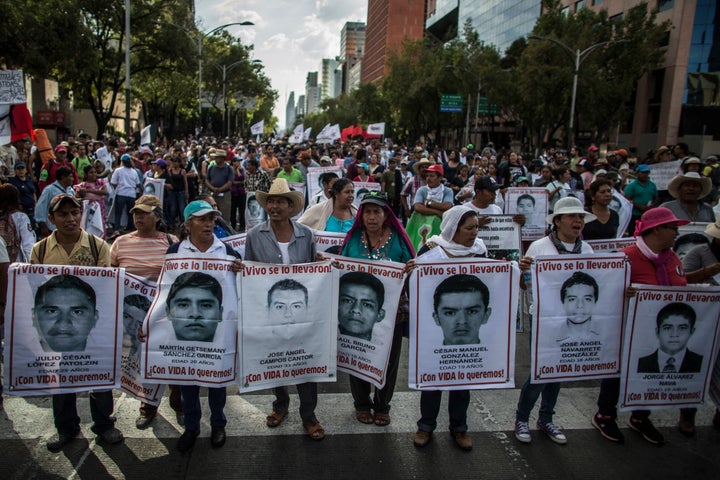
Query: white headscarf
(448, 227)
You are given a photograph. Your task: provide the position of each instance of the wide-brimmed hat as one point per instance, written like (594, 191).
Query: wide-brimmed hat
(416, 165)
(199, 208)
(219, 152)
(713, 229)
(655, 217)
(567, 206)
(280, 188)
(146, 203)
(705, 183)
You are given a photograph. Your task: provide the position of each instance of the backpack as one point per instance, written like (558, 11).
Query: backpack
(9, 233)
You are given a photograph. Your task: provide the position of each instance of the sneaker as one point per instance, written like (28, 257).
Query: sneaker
(608, 428)
(647, 430)
(522, 431)
(187, 440)
(60, 440)
(112, 436)
(552, 431)
(422, 438)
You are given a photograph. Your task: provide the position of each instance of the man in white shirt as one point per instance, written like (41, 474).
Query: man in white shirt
(125, 181)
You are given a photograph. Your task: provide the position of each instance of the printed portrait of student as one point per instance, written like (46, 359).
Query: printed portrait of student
(675, 326)
(579, 295)
(287, 302)
(64, 313)
(461, 305)
(254, 214)
(135, 307)
(526, 206)
(194, 307)
(360, 305)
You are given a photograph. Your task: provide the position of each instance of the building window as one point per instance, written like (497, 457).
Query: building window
(663, 5)
(597, 2)
(565, 10)
(579, 5)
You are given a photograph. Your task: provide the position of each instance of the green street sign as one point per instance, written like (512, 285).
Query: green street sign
(451, 103)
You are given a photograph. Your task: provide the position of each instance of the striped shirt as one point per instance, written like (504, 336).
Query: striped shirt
(141, 256)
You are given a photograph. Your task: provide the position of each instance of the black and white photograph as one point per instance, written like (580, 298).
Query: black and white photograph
(70, 337)
(192, 324)
(288, 327)
(254, 213)
(531, 202)
(462, 324)
(671, 340)
(577, 318)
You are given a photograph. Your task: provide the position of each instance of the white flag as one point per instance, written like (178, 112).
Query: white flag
(145, 137)
(376, 128)
(335, 131)
(306, 134)
(297, 136)
(257, 129)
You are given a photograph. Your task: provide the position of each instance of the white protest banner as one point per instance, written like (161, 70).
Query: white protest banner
(306, 134)
(623, 207)
(329, 241)
(12, 87)
(139, 294)
(63, 331)
(335, 132)
(662, 173)
(467, 339)
(369, 294)
(610, 246)
(669, 347)
(297, 136)
(237, 243)
(577, 317)
(502, 238)
(155, 186)
(376, 128)
(314, 184)
(257, 128)
(92, 220)
(531, 202)
(192, 324)
(361, 188)
(254, 213)
(288, 331)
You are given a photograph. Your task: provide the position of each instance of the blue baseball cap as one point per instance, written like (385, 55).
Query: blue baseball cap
(200, 208)
(126, 158)
(642, 168)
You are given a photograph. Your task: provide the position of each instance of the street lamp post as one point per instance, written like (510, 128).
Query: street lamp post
(477, 102)
(200, 37)
(225, 69)
(577, 56)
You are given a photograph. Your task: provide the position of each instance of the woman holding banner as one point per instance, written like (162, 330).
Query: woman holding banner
(567, 220)
(142, 253)
(336, 214)
(458, 238)
(377, 234)
(652, 262)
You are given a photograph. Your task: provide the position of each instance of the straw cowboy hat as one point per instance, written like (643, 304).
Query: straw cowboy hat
(280, 188)
(705, 183)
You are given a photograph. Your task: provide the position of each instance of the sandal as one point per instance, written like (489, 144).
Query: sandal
(275, 419)
(316, 432)
(382, 419)
(364, 416)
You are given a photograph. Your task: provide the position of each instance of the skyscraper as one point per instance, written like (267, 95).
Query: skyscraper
(352, 47)
(290, 111)
(389, 22)
(312, 93)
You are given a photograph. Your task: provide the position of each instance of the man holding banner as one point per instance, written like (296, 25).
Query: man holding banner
(281, 240)
(70, 245)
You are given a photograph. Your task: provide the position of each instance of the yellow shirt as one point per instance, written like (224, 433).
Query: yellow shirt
(81, 253)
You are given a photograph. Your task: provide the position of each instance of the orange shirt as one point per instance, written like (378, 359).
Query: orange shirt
(269, 163)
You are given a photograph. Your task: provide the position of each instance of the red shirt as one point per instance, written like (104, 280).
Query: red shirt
(642, 269)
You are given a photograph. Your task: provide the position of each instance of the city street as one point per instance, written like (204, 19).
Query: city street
(352, 450)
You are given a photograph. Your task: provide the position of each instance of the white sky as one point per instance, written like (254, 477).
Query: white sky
(291, 37)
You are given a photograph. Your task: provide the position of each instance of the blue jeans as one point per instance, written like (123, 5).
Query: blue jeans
(191, 406)
(529, 395)
(308, 401)
(176, 207)
(66, 417)
(123, 204)
(458, 403)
